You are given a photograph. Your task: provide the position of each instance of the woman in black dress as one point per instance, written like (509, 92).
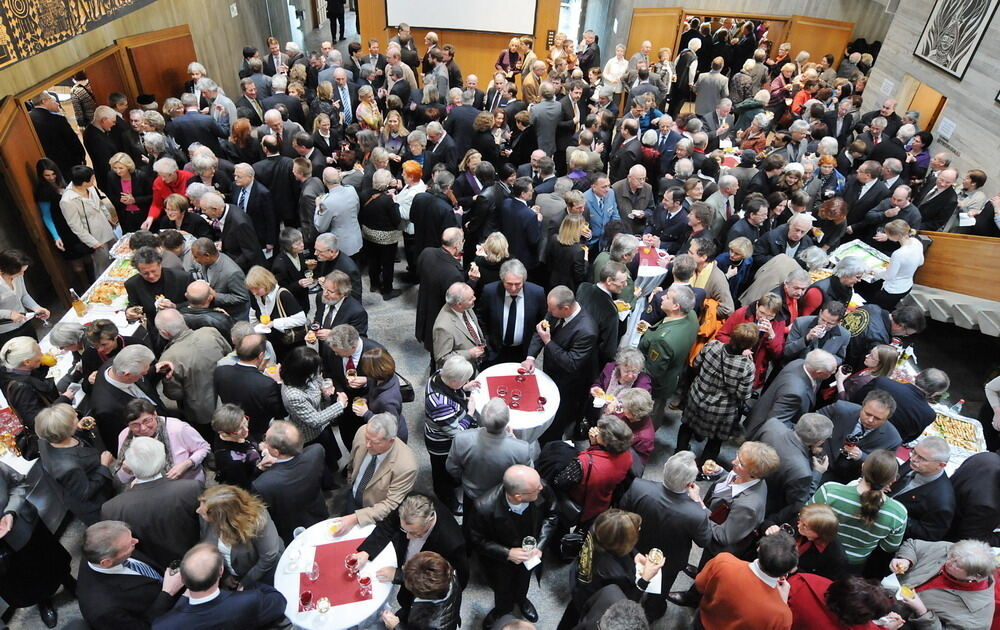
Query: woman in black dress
(241, 146)
(289, 266)
(566, 255)
(177, 216)
(380, 219)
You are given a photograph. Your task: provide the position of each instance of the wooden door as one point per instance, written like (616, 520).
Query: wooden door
(819, 37)
(929, 102)
(19, 151)
(159, 60)
(659, 26)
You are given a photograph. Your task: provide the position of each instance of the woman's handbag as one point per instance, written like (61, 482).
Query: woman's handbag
(291, 336)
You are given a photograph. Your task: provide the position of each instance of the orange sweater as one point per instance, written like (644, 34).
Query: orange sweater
(733, 598)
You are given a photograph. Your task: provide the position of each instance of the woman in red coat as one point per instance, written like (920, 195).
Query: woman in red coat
(601, 467)
(851, 603)
(766, 313)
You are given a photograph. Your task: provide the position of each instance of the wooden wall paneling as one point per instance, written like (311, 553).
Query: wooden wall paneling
(476, 53)
(819, 36)
(105, 69)
(159, 60)
(961, 263)
(659, 26)
(19, 151)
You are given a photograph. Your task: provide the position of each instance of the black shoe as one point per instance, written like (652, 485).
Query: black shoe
(691, 571)
(490, 620)
(395, 293)
(528, 610)
(48, 614)
(683, 598)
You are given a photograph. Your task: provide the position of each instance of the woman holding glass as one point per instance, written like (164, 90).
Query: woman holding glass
(15, 301)
(184, 446)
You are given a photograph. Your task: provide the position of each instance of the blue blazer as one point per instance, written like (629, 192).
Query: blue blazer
(598, 218)
(523, 231)
(255, 607)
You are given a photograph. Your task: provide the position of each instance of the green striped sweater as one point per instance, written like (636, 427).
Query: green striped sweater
(858, 539)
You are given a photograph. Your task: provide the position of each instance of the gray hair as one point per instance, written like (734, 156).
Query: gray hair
(625, 614)
(630, 357)
(749, 64)
(381, 179)
(637, 401)
(384, 424)
(170, 320)
(205, 84)
(417, 136)
(813, 427)
(165, 165)
(100, 540)
(798, 275)
(279, 83)
(762, 120)
(495, 416)
(798, 125)
(329, 240)
(18, 350)
(623, 245)
(932, 381)
(187, 100)
(66, 334)
(145, 457)
(284, 437)
(728, 181)
(456, 371)
(416, 508)
(974, 557)
(850, 266)
(912, 114)
(442, 181)
(679, 470)
(335, 58)
(132, 360)
(196, 191)
(813, 258)
(154, 141)
(820, 361)
(454, 93)
(938, 446)
(828, 145)
(893, 165)
(879, 121)
(563, 296)
(201, 163)
(468, 97)
(684, 168)
(906, 132)
(455, 293)
(683, 297)
(343, 337)
(513, 267)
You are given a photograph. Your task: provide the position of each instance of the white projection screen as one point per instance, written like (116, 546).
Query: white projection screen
(490, 16)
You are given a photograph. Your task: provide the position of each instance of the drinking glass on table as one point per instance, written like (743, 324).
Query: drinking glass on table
(314, 572)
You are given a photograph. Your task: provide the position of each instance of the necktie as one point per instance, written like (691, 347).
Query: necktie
(559, 324)
(350, 364)
(142, 568)
(345, 101)
(331, 312)
(472, 329)
(729, 208)
(256, 107)
(279, 139)
(508, 334)
(366, 477)
(663, 142)
(242, 201)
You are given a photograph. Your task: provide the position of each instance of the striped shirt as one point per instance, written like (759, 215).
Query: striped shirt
(859, 539)
(445, 409)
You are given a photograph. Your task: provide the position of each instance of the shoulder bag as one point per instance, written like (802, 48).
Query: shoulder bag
(291, 336)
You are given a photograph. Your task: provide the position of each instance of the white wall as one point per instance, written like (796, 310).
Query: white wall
(971, 103)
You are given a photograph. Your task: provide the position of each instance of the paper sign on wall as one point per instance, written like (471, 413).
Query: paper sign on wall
(887, 86)
(945, 128)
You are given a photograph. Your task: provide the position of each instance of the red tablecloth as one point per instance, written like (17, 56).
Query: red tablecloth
(649, 256)
(333, 582)
(529, 390)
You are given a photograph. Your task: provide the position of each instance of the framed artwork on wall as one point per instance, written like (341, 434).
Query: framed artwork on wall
(953, 32)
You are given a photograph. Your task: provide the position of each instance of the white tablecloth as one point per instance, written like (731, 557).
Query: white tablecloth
(345, 615)
(647, 279)
(527, 425)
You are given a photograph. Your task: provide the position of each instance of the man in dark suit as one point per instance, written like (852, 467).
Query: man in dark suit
(913, 411)
(329, 258)
(791, 238)
(925, 491)
(521, 225)
(977, 499)
(496, 96)
(290, 483)
(155, 286)
(669, 224)
(458, 124)
(294, 106)
(863, 191)
(204, 605)
(100, 144)
(568, 339)
(245, 385)
(499, 521)
(341, 352)
(857, 431)
(337, 306)
(275, 173)
(437, 268)
(840, 122)
(377, 61)
(801, 464)
(507, 336)
(793, 392)
(159, 510)
(254, 200)
(234, 229)
(628, 152)
(418, 517)
(819, 331)
(194, 126)
(937, 204)
(117, 588)
(117, 382)
(441, 149)
(431, 213)
(275, 60)
(283, 129)
(672, 520)
(598, 301)
(891, 148)
(345, 95)
(59, 142)
(896, 206)
(335, 13)
(400, 86)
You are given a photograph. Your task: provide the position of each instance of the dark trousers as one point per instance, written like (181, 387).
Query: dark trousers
(509, 582)
(381, 261)
(335, 19)
(712, 446)
(569, 413)
(410, 251)
(444, 485)
(131, 221)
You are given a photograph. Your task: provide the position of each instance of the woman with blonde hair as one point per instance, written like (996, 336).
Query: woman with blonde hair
(903, 264)
(275, 309)
(130, 190)
(367, 113)
(566, 255)
(880, 361)
(494, 252)
(507, 61)
(815, 532)
(394, 134)
(237, 522)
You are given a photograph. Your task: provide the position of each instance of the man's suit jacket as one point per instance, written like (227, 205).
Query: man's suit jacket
(523, 231)
(844, 416)
(261, 211)
(350, 312)
(774, 242)
(718, 204)
(389, 485)
(352, 95)
(601, 308)
(710, 88)
(835, 340)
(340, 216)
(403, 90)
(294, 106)
(857, 206)
(239, 239)
(255, 606)
(291, 490)
(446, 152)
(624, 158)
(437, 270)
(529, 88)
(289, 129)
(795, 481)
(269, 66)
(478, 459)
(243, 103)
(494, 528)
(452, 336)
(892, 148)
(672, 231)
(846, 127)
(913, 412)
(495, 99)
(929, 508)
(100, 147)
(546, 117)
(571, 354)
(197, 127)
(445, 539)
(431, 214)
(59, 141)
(161, 515)
(458, 124)
(256, 393)
(789, 396)
(108, 403)
(977, 499)
(333, 367)
(672, 521)
(937, 210)
(491, 313)
(120, 601)
(275, 173)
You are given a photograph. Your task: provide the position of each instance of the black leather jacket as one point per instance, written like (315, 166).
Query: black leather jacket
(217, 318)
(495, 529)
(443, 614)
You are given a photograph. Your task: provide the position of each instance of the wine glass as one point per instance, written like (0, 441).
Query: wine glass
(365, 585)
(323, 605)
(529, 543)
(351, 562)
(305, 600)
(314, 572)
(292, 563)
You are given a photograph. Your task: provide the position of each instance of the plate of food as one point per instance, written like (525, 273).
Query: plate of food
(960, 433)
(105, 292)
(121, 269)
(122, 248)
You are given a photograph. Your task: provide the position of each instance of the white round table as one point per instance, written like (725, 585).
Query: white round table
(527, 425)
(345, 615)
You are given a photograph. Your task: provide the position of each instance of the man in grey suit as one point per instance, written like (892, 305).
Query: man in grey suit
(479, 457)
(338, 213)
(857, 431)
(802, 463)
(547, 117)
(710, 89)
(719, 123)
(227, 280)
(819, 331)
(723, 202)
(672, 520)
(793, 392)
(282, 130)
(310, 189)
(456, 329)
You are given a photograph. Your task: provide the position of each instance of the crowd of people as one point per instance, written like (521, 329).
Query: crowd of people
(250, 398)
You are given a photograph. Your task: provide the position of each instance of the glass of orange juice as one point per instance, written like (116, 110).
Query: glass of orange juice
(48, 359)
(265, 319)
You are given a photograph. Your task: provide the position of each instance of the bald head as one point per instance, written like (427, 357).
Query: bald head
(198, 294)
(201, 568)
(522, 481)
(451, 237)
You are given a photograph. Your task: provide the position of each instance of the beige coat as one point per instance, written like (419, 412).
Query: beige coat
(194, 354)
(391, 482)
(89, 217)
(451, 336)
